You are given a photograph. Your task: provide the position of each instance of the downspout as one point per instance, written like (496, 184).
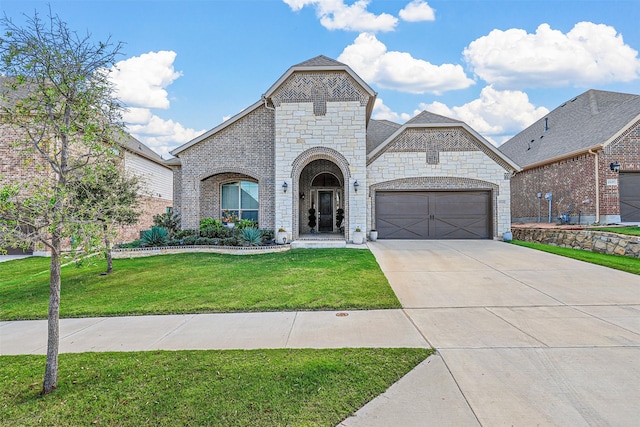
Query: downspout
(266, 104)
(595, 153)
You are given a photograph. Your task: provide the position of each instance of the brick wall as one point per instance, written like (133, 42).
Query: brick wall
(572, 182)
(245, 147)
(149, 207)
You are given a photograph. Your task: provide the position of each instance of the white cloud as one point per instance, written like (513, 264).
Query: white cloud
(140, 84)
(589, 54)
(336, 15)
(416, 11)
(496, 114)
(399, 70)
(383, 112)
(141, 80)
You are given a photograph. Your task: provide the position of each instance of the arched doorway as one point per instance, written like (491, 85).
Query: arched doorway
(321, 198)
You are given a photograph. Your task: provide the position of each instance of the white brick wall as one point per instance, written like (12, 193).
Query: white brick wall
(462, 164)
(343, 129)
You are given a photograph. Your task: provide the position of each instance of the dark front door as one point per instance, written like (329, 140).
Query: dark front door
(325, 209)
(433, 215)
(629, 188)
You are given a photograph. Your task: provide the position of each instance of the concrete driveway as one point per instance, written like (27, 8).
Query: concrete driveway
(529, 338)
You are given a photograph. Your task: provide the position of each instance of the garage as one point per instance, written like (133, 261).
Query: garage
(629, 188)
(433, 214)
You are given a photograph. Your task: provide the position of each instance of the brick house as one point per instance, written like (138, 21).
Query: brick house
(156, 195)
(309, 143)
(586, 153)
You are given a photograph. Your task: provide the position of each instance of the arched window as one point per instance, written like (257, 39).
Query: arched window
(241, 198)
(325, 180)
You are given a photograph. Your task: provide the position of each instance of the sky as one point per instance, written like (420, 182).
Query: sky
(188, 65)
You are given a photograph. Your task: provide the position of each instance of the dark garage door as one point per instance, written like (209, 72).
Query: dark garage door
(433, 215)
(629, 187)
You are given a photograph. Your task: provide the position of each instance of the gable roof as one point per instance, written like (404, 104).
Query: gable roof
(589, 121)
(319, 61)
(130, 143)
(431, 120)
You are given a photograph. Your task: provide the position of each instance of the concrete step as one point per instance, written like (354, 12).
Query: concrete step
(318, 244)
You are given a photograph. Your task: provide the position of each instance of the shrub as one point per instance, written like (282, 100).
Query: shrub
(246, 223)
(130, 245)
(210, 223)
(216, 232)
(157, 236)
(189, 240)
(181, 234)
(267, 235)
(169, 221)
(206, 241)
(251, 236)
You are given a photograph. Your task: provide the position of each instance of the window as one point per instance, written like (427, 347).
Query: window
(241, 198)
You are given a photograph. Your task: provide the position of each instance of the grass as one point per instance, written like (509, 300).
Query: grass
(302, 279)
(201, 388)
(628, 264)
(631, 231)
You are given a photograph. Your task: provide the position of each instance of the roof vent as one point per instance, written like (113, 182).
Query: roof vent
(546, 124)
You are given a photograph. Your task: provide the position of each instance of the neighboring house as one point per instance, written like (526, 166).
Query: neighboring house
(586, 153)
(156, 195)
(310, 143)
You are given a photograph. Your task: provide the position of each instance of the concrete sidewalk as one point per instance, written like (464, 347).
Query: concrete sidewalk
(523, 337)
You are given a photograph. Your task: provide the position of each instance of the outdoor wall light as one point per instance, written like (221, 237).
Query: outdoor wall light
(356, 185)
(302, 196)
(285, 186)
(615, 167)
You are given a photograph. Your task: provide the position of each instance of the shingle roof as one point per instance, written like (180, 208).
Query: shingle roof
(378, 131)
(319, 61)
(426, 118)
(583, 122)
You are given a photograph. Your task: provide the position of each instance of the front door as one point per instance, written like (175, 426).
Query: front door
(325, 209)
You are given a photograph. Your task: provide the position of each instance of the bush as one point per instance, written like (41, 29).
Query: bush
(216, 232)
(210, 223)
(206, 241)
(130, 245)
(267, 235)
(157, 236)
(251, 236)
(246, 223)
(181, 234)
(189, 240)
(168, 221)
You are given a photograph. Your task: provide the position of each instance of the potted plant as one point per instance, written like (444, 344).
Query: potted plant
(358, 236)
(229, 218)
(507, 236)
(339, 219)
(373, 235)
(281, 237)
(312, 220)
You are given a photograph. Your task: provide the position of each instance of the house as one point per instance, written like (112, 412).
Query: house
(157, 178)
(585, 157)
(309, 148)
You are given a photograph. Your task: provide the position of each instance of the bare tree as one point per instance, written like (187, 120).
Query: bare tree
(58, 97)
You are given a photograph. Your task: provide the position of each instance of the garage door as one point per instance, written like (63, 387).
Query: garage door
(433, 215)
(629, 188)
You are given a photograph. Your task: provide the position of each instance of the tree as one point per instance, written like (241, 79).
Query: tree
(58, 96)
(104, 193)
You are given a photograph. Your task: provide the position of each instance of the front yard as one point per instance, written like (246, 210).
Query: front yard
(302, 279)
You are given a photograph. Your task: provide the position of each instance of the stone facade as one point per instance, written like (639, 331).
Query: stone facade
(419, 161)
(594, 241)
(578, 185)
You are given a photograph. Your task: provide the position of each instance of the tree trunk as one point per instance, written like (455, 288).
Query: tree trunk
(107, 245)
(53, 338)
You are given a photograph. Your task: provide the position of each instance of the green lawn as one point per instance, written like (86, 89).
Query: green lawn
(628, 264)
(201, 388)
(631, 231)
(302, 279)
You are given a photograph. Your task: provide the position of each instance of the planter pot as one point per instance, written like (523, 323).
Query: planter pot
(230, 224)
(358, 237)
(373, 235)
(507, 236)
(281, 237)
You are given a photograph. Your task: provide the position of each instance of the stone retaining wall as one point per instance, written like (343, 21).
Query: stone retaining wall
(231, 250)
(595, 241)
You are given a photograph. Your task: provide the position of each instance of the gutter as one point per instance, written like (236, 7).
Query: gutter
(597, 176)
(563, 157)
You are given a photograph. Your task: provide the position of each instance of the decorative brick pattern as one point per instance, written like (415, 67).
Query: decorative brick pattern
(319, 88)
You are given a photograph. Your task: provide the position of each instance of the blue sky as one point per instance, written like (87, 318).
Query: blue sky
(188, 65)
